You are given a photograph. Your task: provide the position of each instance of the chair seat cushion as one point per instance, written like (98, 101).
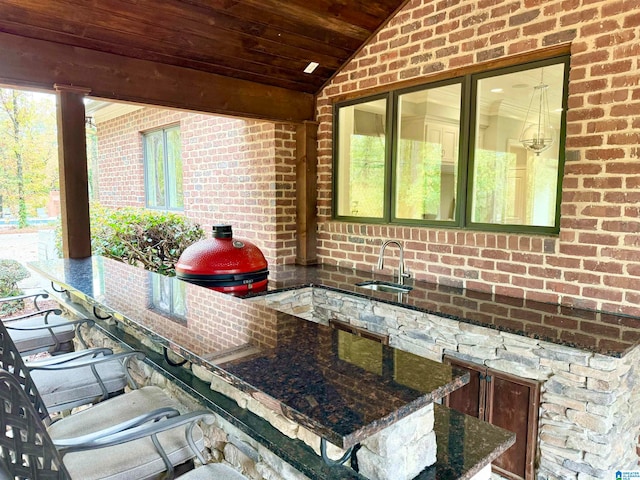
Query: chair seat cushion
(65, 389)
(40, 340)
(132, 460)
(213, 471)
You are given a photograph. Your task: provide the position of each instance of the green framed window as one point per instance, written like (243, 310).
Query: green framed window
(427, 150)
(484, 151)
(362, 173)
(163, 169)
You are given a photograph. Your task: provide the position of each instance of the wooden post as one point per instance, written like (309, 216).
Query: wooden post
(74, 179)
(306, 192)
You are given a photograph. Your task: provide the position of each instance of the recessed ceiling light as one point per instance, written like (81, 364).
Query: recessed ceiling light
(311, 67)
(520, 85)
(496, 90)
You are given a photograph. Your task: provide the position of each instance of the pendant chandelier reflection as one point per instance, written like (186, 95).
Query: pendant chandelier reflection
(537, 133)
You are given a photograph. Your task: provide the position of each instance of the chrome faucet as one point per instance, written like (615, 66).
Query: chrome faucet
(402, 272)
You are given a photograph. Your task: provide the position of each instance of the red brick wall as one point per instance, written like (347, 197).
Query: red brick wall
(236, 322)
(120, 173)
(236, 171)
(595, 261)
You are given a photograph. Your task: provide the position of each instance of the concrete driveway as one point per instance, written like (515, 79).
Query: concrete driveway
(28, 247)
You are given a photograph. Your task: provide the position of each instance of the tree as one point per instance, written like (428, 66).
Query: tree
(28, 151)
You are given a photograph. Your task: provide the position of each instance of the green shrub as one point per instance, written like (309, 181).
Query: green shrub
(147, 238)
(11, 272)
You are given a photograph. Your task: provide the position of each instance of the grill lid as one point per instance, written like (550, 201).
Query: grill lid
(222, 261)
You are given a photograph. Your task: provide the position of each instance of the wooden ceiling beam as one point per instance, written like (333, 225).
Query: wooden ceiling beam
(171, 56)
(41, 64)
(267, 42)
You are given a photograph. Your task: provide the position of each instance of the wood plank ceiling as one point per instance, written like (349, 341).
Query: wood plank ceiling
(264, 41)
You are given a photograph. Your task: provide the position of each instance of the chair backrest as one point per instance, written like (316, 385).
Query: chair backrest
(26, 450)
(11, 361)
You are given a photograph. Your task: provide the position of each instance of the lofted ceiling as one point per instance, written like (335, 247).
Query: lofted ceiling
(270, 42)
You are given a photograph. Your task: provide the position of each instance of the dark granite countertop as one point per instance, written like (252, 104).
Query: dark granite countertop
(341, 386)
(465, 444)
(601, 332)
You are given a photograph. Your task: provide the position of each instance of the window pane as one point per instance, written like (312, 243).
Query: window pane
(361, 159)
(161, 293)
(426, 168)
(174, 169)
(179, 301)
(168, 296)
(154, 164)
(513, 184)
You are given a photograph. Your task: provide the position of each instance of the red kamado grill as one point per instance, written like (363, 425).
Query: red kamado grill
(224, 264)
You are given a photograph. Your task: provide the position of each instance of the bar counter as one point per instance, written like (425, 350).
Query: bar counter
(342, 386)
(607, 333)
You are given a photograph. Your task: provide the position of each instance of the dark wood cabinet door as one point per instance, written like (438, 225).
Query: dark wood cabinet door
(506, 401)
(514, 406)
(469, 399)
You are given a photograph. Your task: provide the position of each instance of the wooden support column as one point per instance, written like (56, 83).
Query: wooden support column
(74, 179)
(306, 191)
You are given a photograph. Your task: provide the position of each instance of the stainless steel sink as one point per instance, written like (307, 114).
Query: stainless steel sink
(385, 286)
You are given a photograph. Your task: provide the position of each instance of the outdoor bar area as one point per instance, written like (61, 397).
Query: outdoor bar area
(323, 398)
(442, 202)
(341, 370)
